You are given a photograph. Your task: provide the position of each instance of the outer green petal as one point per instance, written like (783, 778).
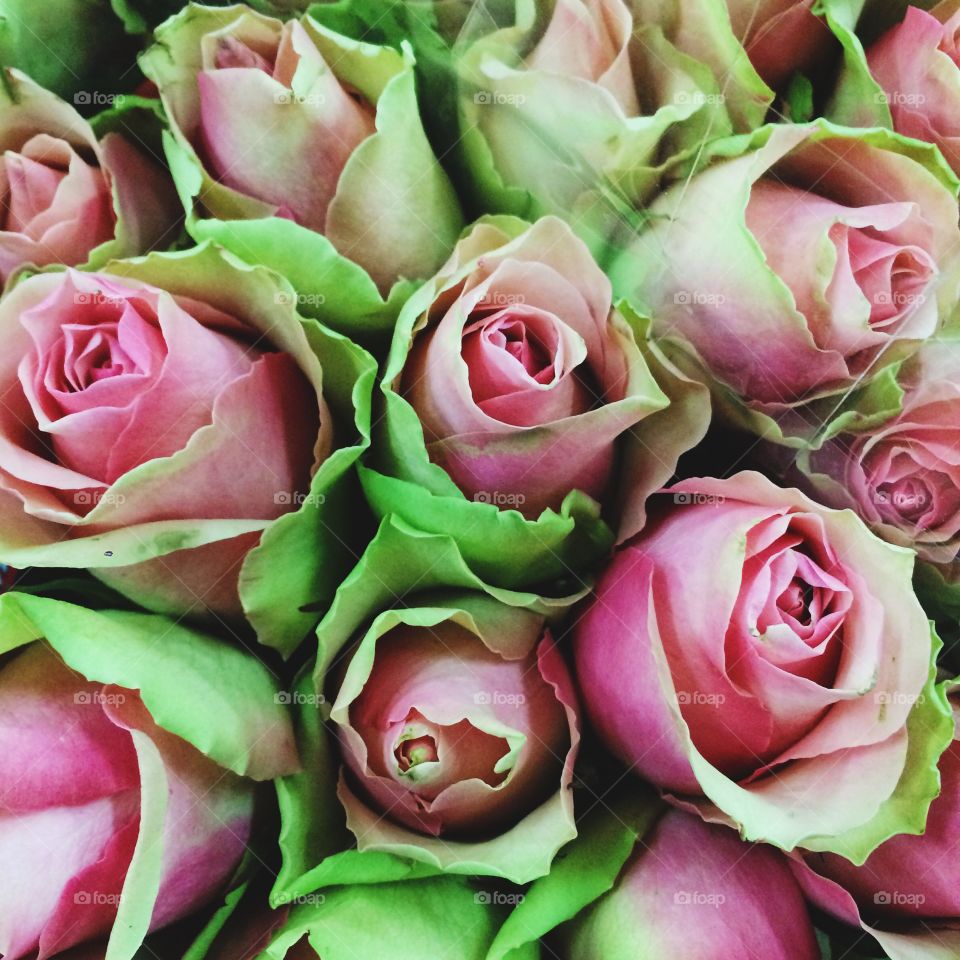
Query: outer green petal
(433, 918)
(213, 695)
(585, 870)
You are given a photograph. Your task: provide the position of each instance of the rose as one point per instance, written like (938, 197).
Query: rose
(522, 376)
(855, 284)
(902, 476)
(916, 65)
(159, 418)
(904, 893)
(696, 891)
(130, 749)
(763, 27)
(454, 715)
(752, 647)
(337, 148)
(511, 372)
(454, 734)
(67, 197)
(576, 119)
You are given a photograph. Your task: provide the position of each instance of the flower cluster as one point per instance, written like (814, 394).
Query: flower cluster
(479, 480)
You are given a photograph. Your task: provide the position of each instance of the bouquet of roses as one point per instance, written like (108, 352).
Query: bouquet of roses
(480, 480)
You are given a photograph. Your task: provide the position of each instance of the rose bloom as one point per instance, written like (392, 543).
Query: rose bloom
(131, 409)
(555, 117)
(695, 891)
(916, 64)
(70, 808)
(798, 270)
(906, 892)
(781, 37)
(903, 477)
(522, 375)
(458, 741)
(67, 197)
(757, 656)
(281, 120)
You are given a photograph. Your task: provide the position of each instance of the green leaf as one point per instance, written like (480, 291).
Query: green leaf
(583, 871)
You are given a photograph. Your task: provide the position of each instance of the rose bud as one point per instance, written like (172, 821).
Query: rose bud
(906, 892)
(345, 156)
(752, 647)
(916, 65)
(561, 116)
(695, 891)
(158, 419)
(432, 917)
(903, 476)
(763, 29)
(512, 372)
(123, 808)
(457, 738)
(789, 323)
(67, 197)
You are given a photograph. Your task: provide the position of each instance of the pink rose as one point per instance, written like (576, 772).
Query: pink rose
(788, 321)
(522, 374)
(906, 892)
(781, 37)
(272, 119)
(695, 891)
(903, 477)
(67, 197)
(74, 802)
(916, 64)
(458, 730)
(154, 436)
(749, 649)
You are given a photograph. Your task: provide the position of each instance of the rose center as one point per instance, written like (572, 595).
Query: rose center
(796, 600)
(232, 53)
(910, 497)
(411, 753)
